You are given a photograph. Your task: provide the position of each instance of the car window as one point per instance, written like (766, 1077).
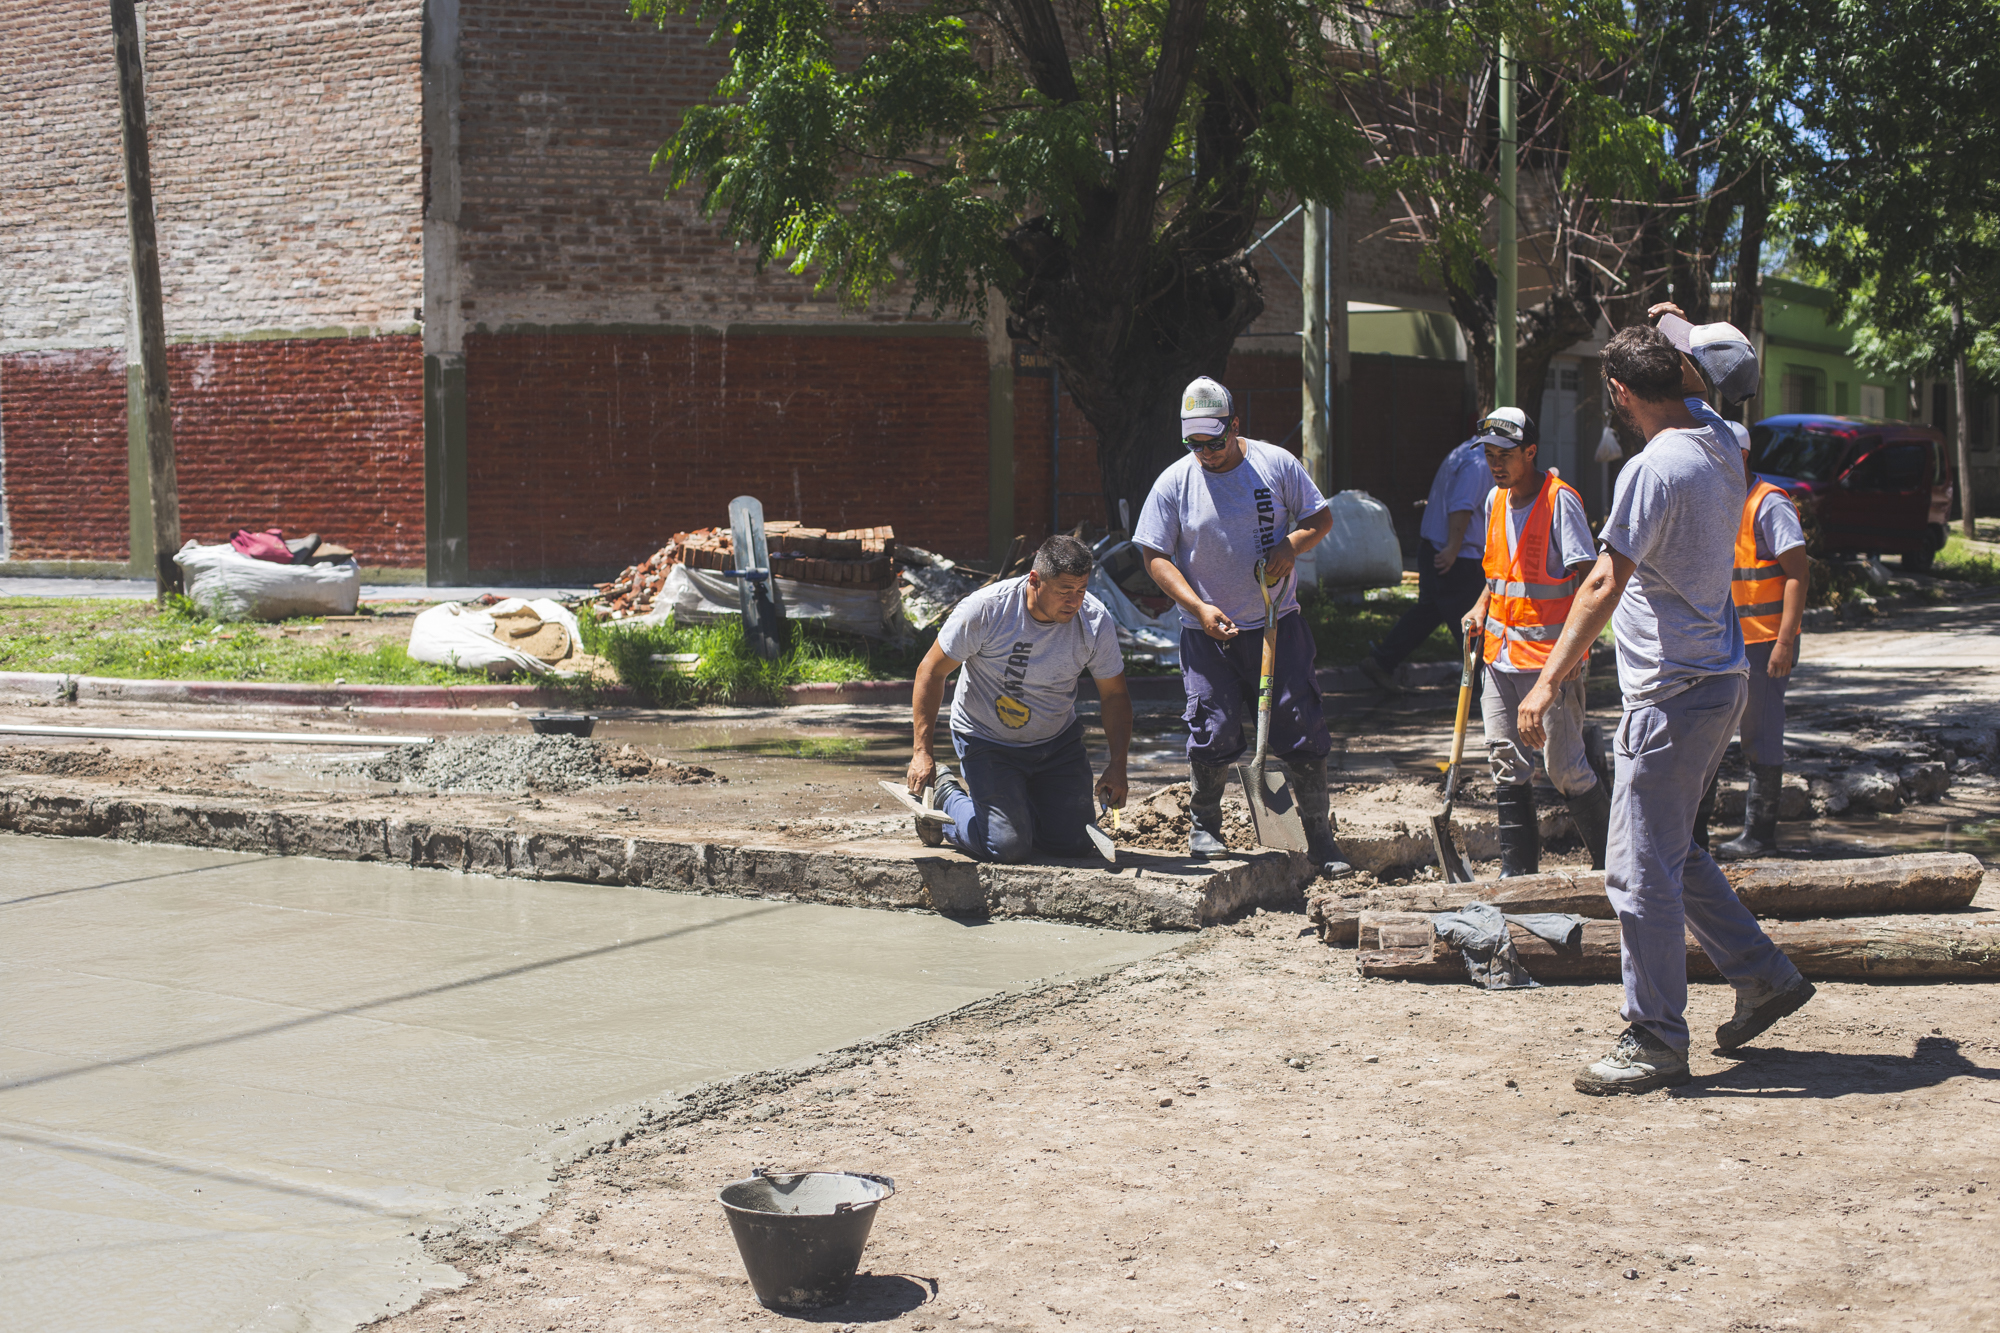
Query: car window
(1801, 452)
(1894, 467)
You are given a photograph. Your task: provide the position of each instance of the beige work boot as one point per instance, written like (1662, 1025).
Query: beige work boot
(1640, 1062)
(1760, 1007)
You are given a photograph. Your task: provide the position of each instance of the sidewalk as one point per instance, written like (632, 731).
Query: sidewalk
(142, 590)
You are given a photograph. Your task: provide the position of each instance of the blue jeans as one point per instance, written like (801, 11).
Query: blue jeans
(1662, 885)
(1022, 799)
(1221, 681)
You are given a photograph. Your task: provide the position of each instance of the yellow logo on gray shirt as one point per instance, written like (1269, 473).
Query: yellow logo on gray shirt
(1012, 711)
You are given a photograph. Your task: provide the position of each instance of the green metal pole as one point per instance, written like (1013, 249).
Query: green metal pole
(1508, 260)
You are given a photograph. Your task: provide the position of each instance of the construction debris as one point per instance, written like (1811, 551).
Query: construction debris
(858, 559)
(1919, 882)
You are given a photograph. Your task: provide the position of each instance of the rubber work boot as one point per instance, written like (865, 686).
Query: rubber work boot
(1316, 813)
(1758, 1009)
(1520, 837)
(1640, 1062)
(1205, 811)
(930, 832)
(1591, 813)
(1703, 813)
(1760, 816)
(1381, 675)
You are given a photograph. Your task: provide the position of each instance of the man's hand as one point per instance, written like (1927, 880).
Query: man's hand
(1278, 561)
(1444, 560)
(1112, 787)
(1665, 308)
(1534, 708)
(1784, 656)
(1215, 624)
(922, 774)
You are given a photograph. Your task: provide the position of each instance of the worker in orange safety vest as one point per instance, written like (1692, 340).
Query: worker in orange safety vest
(1538, 548)
(1769, 589)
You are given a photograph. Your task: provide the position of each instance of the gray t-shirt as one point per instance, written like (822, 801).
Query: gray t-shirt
(1216, 527)
(1018, 684)
(1674, 514)
(1777, 527)
(1570, 543)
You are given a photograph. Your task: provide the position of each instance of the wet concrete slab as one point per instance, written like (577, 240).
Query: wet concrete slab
(236, 1090)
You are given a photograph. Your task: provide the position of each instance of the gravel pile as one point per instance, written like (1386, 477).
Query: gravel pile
(513, 763)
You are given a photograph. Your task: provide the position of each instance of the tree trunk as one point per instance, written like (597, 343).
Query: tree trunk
(1920, 882)
(1749, 255)
(1966, 518)
(1937, 949)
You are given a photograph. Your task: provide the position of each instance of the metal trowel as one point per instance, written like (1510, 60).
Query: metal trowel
(1274, 811)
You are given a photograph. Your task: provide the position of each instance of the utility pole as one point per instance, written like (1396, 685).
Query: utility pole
(1315, 419)
(1509, 245)
(163, 490)
(1966, 520)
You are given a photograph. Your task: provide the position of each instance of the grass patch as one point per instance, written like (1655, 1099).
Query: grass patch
(1345, 632)
(1959, 560)
(724, 670)
(136, 640)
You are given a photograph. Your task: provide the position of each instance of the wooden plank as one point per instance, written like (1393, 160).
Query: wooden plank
(1938, 948)
(1869, 886)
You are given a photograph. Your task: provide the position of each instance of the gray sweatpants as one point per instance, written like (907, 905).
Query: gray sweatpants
(1661, 884)
(1763, 731)
(1564, 758)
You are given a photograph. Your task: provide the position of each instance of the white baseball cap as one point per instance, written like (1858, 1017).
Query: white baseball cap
(1206, 408)
(1720, 352)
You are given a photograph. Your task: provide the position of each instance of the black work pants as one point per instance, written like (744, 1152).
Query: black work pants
(1442, 599)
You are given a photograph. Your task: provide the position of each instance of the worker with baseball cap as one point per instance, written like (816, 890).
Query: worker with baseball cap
(1663, 582)
(1538, 548)
(1210, 518)
(1450, 546)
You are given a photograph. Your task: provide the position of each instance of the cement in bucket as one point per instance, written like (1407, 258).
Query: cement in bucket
(801, 1235)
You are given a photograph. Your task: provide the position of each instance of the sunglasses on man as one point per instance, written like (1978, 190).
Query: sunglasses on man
(1198, 444)
(1503, 427)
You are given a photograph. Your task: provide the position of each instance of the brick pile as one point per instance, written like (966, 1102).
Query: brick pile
(857, 559)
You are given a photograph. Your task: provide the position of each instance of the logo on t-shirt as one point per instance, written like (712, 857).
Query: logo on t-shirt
(1267, 512)
(1013, 713)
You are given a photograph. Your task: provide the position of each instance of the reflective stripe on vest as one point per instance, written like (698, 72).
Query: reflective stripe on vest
(1757, 587)
(1525, 607)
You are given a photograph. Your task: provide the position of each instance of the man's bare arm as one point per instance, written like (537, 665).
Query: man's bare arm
(926, 697)
(1454, 540)
(1798, 575)
(1115, 708)
(1167, 575)
(1588, 615)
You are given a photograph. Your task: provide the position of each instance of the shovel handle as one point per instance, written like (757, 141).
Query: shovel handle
(1465, 675)
(1268, 669)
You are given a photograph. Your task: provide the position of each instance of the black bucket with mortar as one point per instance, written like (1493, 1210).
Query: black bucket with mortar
(801, 1235)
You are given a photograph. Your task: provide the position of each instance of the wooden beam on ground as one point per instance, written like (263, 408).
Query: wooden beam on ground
(1869, 886)
(1403, 945)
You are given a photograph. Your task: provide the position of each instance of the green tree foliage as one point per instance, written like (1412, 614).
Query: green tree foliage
(1100, 164)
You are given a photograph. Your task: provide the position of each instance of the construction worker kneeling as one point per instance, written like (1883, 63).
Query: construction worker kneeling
(1538, 548)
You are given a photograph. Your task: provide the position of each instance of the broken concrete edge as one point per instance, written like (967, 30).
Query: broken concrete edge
(578, 1139)
(1173, 899)
(279, 694)
(1157, 689)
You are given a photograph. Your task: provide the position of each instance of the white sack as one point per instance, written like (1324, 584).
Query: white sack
(457, 636)
(1361, 551)
(1159, 635)
(229, 585)
(699, 596)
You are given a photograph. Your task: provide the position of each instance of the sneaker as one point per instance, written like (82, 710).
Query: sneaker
(1757, 1011)
(1376, 672)
(1640, 1062)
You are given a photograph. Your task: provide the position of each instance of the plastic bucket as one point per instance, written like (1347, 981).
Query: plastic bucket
(801, 1235)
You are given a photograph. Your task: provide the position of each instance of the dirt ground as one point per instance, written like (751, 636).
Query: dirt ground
(1241, 1133)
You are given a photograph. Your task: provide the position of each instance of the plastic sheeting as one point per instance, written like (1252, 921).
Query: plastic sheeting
(698, 596)
(1361, 551)
(1137, 631)
(464, 637)
(228, 585)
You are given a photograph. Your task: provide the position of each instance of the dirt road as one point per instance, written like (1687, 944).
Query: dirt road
(1144, 1154)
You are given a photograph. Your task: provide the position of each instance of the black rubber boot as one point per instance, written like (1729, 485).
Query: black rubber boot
(1205, 811)
(1309, 789)
(1703, 813)
(1760, 816)
(1591, 813)
(1520, 838)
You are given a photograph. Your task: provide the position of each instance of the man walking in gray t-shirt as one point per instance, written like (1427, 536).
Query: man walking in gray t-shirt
(1663, 582)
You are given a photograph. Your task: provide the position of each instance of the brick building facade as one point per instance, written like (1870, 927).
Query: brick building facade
(424, 296)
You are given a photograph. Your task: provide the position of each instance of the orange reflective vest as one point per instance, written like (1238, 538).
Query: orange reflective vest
(1526, 607)
(1758, 587)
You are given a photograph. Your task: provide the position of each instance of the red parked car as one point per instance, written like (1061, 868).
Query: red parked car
(1874, 487)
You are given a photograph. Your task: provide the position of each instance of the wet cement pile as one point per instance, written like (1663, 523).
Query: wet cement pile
(526, 763)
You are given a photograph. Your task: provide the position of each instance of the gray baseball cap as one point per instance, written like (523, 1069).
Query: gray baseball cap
(1720, 352)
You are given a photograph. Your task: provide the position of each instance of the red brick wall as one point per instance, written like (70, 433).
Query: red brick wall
(321, 434)
(587, 451)
(62, 417)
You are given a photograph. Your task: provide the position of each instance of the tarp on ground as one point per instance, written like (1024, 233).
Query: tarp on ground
(700, 596)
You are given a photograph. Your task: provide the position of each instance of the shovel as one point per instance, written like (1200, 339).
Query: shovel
(1450, 864)
(1274, 812)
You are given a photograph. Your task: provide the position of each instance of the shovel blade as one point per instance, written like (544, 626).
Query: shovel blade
(1450, 864)
(1274, 811)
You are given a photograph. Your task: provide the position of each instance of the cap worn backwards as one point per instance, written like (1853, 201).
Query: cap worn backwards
(1205, 408)
(1727, 363)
